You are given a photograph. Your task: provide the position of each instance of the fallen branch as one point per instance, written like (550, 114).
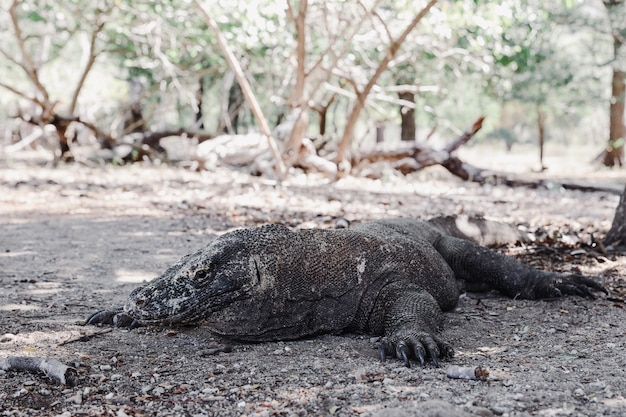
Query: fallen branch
(466, 136)
(472, 173)
(413, 156)
(84, 337)
(50, 367)
(152, 138)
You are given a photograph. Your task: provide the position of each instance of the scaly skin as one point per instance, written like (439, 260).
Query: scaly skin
(389, 277)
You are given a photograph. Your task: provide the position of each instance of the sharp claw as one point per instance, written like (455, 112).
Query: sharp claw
(583, 286)
(402, 354)
(433, 356)
(419, 352)
(588, 293)
(120, 320)
(580, 291)
(125, 321)
(100, 317)
(382, 351)
(88, 322)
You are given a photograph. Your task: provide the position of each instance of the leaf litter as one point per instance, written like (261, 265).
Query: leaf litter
(76, 239)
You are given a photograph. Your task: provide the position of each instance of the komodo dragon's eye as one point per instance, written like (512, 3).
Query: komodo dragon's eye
(201, 274)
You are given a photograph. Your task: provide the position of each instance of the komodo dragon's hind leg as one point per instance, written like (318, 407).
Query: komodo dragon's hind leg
(480, 265)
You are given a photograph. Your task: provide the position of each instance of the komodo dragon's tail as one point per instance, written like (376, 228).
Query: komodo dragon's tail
(479, 230)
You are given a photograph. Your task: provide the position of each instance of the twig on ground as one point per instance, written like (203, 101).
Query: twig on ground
(85, 337)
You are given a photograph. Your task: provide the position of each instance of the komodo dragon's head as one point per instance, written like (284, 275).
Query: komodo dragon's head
(232, 269)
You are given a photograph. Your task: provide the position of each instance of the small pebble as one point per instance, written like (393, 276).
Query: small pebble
(76, 398)
(360, 374)
(499, 410)
(387, 381)
(20, 392)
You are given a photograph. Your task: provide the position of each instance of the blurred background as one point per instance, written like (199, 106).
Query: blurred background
(129, 80)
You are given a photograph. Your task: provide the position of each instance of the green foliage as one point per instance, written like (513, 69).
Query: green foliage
(465, 51)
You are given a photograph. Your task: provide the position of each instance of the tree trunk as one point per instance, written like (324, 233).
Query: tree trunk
(322, 111)
(322, 121)
(231, 103)
(235, 101)
(297, 122)
(61, 125)
(380, 132)
(617, 234)
(134, 121)
(541, 117)
(199, 97)
(615, 148)
(408, 117)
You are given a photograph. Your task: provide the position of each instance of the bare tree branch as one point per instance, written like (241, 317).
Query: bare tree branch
(300, 21)
(28, 65)
(12, 59)
(337, 55)
(246, 89)
(89, 64)
(22, 94)
(298, 100)
(382, 22)
(362, 95)
(290, 13)
(466, 136)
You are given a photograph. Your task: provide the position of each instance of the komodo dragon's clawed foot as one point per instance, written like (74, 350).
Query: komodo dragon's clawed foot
(115, 318)
(579, 285)
(418, 345)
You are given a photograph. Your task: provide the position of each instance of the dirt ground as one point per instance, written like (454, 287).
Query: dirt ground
(76, 239)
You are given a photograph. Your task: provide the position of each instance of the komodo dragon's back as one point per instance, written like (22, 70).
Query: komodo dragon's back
(389, 277)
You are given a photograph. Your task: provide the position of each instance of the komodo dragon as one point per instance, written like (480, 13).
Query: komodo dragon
(388, 277)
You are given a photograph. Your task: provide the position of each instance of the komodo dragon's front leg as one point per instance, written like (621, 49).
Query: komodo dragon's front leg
(410, 320)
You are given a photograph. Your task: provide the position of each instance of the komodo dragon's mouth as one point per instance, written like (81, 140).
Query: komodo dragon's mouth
(154, 308)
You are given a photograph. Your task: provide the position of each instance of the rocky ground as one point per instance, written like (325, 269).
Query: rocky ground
(76, 239)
